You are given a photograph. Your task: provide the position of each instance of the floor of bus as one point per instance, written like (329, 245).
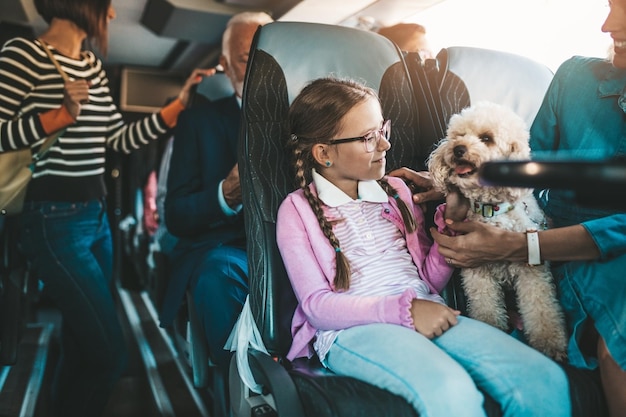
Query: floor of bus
(157, 383)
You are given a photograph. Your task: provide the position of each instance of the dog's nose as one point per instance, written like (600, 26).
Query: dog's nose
(459, 151)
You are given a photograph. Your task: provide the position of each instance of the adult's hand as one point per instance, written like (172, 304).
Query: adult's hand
(420, 183)
(196, 77)
(478, 243)
(232, 188)
(75, 93)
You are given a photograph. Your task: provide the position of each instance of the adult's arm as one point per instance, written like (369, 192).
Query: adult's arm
(126, 137)
(479, 243)
(19, 73)
(199, 161)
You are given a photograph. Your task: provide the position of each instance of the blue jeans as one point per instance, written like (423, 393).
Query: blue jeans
(219, 285)
(594, 291)
(70, 250)
(439, 377)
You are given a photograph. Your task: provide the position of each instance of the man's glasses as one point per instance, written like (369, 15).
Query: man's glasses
(372, 139)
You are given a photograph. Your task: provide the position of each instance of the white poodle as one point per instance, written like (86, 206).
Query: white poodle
(486, 132)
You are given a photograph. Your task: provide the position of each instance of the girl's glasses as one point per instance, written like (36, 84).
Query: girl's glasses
(372, 139)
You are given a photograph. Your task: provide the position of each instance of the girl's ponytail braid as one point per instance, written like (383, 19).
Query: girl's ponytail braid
(407, 216)
(342, 273)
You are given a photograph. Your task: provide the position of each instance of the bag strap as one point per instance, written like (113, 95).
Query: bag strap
(54, 60)
(50, 140)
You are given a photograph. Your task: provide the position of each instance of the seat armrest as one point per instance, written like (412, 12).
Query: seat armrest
(276, 380)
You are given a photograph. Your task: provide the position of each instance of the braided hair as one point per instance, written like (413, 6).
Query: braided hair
(315, 117)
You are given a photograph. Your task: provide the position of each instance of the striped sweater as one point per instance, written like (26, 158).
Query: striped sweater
(30, 87)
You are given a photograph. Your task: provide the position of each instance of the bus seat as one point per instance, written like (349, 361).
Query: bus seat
(431, 118)
(490, 75)
(284, 57)
(204, 372)
(198, 347)
(461, 76)
(18, 290)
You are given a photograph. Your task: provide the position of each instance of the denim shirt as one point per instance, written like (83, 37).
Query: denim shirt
(583, 117)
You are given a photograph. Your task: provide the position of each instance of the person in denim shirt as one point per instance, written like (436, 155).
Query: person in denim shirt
(582, 116)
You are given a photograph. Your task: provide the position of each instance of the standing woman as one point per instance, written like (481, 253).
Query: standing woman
(64, 230)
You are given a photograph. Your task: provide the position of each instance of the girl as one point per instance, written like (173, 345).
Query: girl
(64, 228)
(367, 277)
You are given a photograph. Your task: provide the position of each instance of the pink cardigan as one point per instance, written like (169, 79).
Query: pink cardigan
(310, 263)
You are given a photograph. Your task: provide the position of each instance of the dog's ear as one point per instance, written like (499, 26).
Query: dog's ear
(519, 150)
(438, 168)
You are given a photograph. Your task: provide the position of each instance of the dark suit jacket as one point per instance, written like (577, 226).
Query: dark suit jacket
(204, 152)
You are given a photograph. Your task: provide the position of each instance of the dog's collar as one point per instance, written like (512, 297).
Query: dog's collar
(491, 209)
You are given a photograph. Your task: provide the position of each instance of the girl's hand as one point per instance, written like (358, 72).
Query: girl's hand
(196, 77)
(75, 93)
(432, 319)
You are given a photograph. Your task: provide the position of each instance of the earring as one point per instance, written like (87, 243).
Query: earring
(328, 163)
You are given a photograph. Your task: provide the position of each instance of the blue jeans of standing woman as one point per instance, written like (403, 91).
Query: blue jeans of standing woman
(441, 377)
(70, 249)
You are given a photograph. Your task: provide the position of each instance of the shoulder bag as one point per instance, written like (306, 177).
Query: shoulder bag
(17, 166)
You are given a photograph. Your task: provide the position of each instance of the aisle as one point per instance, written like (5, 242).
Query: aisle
(162, 376)
(156, 384)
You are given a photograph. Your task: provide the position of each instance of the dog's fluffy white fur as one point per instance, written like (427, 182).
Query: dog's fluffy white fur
(487, 132)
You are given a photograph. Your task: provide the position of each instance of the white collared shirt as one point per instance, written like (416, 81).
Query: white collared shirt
(332, 196)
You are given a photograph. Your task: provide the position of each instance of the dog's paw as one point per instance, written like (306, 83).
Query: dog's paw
(557, 355)
(558, 352)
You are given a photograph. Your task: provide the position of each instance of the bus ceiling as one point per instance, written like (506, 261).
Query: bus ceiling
(179, 35)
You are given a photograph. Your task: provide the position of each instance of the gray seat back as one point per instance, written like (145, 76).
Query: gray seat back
(284, 57)
(489, 75)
